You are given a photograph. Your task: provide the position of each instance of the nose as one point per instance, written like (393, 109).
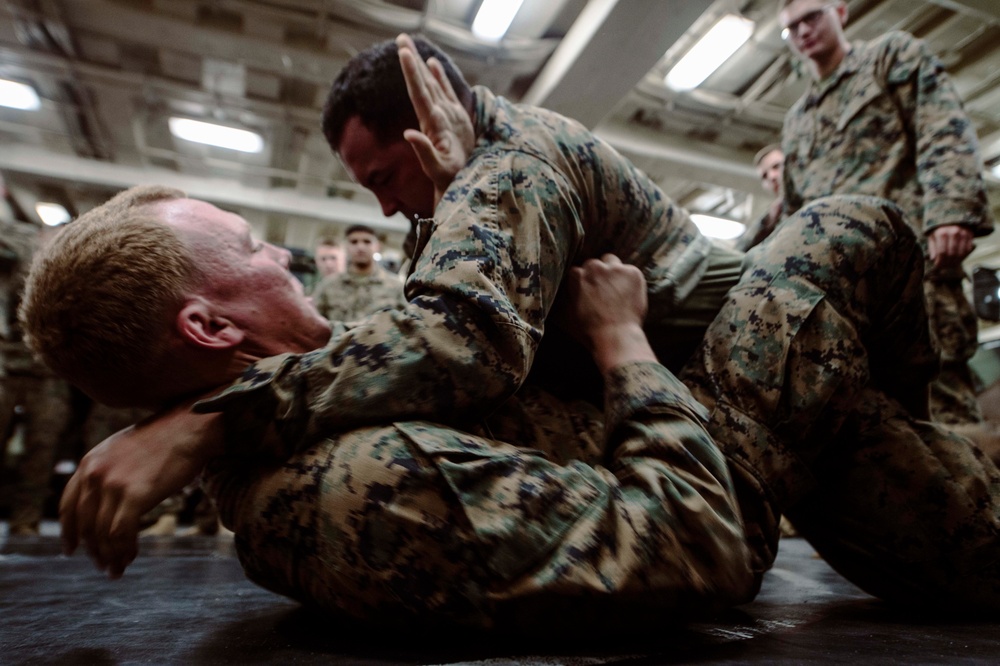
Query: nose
(389, 206)
(281, 255)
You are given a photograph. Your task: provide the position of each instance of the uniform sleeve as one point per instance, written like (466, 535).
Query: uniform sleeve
(949, 166)
(792, 197)
(321, 297)
(479, 292)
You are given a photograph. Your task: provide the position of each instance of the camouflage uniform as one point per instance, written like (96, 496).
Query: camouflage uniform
(348, 296)
(415, 522)
(28, 383)
(821, 318)
(889, 123)
(814, 371)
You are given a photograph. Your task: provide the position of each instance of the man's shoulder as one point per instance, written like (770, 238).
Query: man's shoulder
(895, 46)
(530, 130)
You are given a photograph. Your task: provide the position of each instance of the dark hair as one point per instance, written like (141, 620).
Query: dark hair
(359, 227)
(371, 86)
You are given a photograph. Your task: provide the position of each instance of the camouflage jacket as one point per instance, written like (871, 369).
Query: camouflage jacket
(887, 123)
(481, 284)
(18, 241)
(348, 296)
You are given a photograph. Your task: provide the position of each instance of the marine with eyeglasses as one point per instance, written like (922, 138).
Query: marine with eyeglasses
(883, 118)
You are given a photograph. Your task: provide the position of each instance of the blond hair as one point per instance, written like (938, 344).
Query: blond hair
(101, 294)
(765, 151)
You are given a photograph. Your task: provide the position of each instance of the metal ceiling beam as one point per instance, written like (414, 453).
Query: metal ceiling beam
(152, 29)
(78, 170)
(986, 10)
(611, 46)
(692, 159)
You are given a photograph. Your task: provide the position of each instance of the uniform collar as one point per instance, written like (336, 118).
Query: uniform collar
(849, 65)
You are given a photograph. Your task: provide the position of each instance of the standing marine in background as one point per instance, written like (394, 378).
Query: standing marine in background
(26, 383)
(882, 118)
(365, 287)
(768, 164)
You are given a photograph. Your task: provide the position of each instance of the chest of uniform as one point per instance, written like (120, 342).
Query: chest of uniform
(856, 118)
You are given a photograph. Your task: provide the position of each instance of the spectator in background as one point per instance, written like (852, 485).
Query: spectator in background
(768, 162)
(882, 118)
(365, 287)
(29, 391)
(329, 257)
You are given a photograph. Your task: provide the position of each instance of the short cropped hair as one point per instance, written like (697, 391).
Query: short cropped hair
(359, 227)
(764, 152)
(100, 297)
(328, 241)
(371, 86)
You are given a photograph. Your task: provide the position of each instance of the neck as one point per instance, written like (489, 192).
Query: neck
(825, 64)
(363, 270)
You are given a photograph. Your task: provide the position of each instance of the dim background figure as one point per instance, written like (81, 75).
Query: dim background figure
(365, 287)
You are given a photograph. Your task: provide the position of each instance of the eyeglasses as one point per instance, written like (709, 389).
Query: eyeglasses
(809, 18)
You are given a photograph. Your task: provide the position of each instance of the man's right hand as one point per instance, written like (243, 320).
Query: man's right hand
(606, 308)
(446, 136)
(130, 473)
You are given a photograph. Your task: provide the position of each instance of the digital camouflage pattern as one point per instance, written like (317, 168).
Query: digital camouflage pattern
(348, 296)
(26, 382)
(417, 523)
(482, 285)
(889, 123)
(830, 304)
(828, 308)
(814, 370)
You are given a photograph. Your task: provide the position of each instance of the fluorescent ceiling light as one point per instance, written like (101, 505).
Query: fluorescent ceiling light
(996, 169)
(216, 135)
(718, 44)
(717, 227)
(18, 95)
(52, 214)
(494, 17)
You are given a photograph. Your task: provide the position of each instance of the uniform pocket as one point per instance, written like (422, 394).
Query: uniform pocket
(520, 505)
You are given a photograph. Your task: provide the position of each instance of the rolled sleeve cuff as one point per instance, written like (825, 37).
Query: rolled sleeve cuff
(944, 211)
(637, 388)
(259, 404)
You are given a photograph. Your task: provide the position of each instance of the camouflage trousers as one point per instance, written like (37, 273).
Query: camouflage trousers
(418, 524)
(816, 371)
(45, 400)
(954, 328)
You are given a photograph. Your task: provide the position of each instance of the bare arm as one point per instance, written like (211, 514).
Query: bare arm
(128, 474)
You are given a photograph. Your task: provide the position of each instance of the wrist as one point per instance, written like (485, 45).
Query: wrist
(620, 344)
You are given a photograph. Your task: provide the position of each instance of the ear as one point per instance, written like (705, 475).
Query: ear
(199, 325)
(841, 10)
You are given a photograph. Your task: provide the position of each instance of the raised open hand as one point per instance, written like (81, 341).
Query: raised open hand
(446, 136)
